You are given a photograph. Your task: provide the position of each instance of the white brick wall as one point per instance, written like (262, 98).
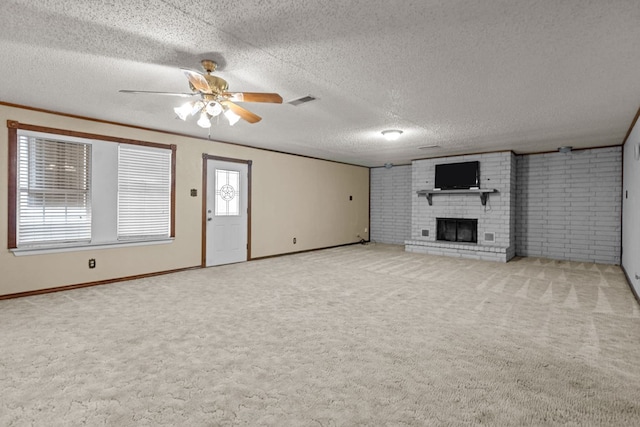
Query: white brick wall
(569, 205)
(566, 206)
(390, 201)
(496, 171)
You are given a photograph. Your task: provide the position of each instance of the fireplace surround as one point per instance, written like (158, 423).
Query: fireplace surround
(493, 239)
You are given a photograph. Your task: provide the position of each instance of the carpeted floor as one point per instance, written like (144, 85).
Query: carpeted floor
(358, 335)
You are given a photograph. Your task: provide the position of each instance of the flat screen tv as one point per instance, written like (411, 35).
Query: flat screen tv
(458, 176)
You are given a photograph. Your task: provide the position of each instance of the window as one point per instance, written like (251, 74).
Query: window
(227, 193)
(144, 192)
(54, 199)
(70, 189)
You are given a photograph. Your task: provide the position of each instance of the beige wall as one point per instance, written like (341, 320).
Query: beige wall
(292, 196)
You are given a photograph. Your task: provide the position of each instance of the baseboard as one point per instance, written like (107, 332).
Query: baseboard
(88, 284)
(629, 282)
(309, 250)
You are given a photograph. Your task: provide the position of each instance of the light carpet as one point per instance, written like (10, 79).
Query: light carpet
(350, 336)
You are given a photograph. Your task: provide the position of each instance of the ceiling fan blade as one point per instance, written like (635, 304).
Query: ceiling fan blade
(245, 114)
(253, 97)
(183, 95)
(197, 80)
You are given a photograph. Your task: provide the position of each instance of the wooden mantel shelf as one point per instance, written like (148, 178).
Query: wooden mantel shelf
(484, 194)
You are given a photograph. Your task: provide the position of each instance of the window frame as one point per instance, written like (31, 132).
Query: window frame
(13, 127)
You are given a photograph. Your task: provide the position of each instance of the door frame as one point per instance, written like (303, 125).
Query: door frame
(205, 158)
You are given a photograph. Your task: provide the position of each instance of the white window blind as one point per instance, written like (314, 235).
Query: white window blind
(144, 192)
(54, 191)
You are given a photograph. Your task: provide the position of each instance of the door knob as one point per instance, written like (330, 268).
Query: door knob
(209, 219)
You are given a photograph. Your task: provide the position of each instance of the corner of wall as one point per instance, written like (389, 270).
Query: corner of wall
(631, 207)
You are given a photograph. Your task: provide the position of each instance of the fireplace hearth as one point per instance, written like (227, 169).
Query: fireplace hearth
(457, 230)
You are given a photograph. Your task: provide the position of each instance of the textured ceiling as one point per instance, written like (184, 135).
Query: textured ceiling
(467, 76)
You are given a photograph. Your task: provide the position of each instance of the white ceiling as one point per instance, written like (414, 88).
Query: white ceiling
(468, 76)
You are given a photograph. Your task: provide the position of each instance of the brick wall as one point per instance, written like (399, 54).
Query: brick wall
(569, 205)
(496, 172)
(563, 206)
(390, 202)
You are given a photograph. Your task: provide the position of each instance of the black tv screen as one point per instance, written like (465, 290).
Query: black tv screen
(458, 176)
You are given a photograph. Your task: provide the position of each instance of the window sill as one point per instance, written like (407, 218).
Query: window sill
(86, 247)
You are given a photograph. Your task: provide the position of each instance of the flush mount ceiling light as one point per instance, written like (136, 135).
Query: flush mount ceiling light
(391, 134)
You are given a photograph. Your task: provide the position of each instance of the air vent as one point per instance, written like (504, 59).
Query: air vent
(489, 237)
(302, 100)
(425, 233)
(426, 147)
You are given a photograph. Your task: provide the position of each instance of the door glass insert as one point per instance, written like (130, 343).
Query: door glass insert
(227, 193)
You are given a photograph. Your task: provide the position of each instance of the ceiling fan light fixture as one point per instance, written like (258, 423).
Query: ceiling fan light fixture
(213, 108)
(232, 117)
(391, 134)
(204, 121)
(214, 99)
(197, 107)
(184, 110)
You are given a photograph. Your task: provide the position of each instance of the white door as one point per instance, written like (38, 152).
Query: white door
(226, 210)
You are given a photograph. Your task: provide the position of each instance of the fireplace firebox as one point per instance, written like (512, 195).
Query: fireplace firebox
(457, 230)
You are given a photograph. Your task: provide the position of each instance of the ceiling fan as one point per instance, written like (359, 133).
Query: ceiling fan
(213, 98)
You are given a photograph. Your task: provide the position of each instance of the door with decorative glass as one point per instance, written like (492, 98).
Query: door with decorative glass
(226, 212)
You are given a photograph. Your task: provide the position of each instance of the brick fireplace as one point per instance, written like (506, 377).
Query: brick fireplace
(469, 226)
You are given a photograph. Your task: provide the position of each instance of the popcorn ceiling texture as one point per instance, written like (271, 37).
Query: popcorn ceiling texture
(358, 335)
(527, 76)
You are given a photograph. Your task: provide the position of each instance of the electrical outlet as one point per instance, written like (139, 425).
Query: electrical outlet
(366, 229)
(294, 240)
(92, 263)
